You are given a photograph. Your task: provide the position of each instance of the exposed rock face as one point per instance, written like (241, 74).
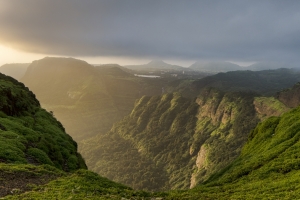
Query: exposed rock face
(224, 122)
(220, 131)
(290, 97)
(269, 106)
(201, 163)
(183, 143)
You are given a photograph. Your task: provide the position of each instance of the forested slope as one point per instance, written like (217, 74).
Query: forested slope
(174, 141)
(266, 82)
(268, 167)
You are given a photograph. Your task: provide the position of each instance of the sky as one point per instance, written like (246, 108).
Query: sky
(135, 31)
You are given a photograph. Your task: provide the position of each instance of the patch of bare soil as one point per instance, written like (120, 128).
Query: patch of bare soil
(19, 182)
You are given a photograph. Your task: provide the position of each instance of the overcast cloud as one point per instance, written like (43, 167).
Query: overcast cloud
(252, 30)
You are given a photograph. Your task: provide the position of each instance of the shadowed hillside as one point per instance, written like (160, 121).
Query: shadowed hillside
(266, 82)
(215, 67)
(86, 99)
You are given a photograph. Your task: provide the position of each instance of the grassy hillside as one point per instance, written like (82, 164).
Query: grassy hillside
(137, 149)
(268, 167)
(81, 184)
(175, 142)
(29, 134)
(29, 137)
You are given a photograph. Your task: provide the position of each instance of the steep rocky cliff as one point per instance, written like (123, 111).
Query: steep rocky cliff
(177, 142)
(290, 97)
(223, 123)
(225, 120)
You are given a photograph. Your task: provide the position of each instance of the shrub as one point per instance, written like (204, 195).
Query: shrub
(40, 156)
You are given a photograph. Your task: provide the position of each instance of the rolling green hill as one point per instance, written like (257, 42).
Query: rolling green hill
(268, 167)
(176, 142)
(30, 135)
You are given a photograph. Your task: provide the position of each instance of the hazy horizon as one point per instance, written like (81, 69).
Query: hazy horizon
(136, 32)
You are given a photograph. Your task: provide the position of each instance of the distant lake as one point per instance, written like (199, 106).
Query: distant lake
(147, 76)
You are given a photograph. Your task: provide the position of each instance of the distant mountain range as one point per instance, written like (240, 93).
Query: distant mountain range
(17, 70)
(209, 66)
(216, 67)
(155, 65)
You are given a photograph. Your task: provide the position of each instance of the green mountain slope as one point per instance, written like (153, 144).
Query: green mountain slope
(81, 184)
(136, 155)
(30, 135)
(268, 167)
(175, 142)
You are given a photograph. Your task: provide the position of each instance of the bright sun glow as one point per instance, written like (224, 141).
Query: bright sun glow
(9, 55)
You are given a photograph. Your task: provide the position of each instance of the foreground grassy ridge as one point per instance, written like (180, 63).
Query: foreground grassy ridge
(82, 184)
(18, 178)
(276, 186)
(29, 134)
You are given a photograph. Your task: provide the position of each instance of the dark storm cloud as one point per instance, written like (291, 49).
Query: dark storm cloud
(224, 30)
